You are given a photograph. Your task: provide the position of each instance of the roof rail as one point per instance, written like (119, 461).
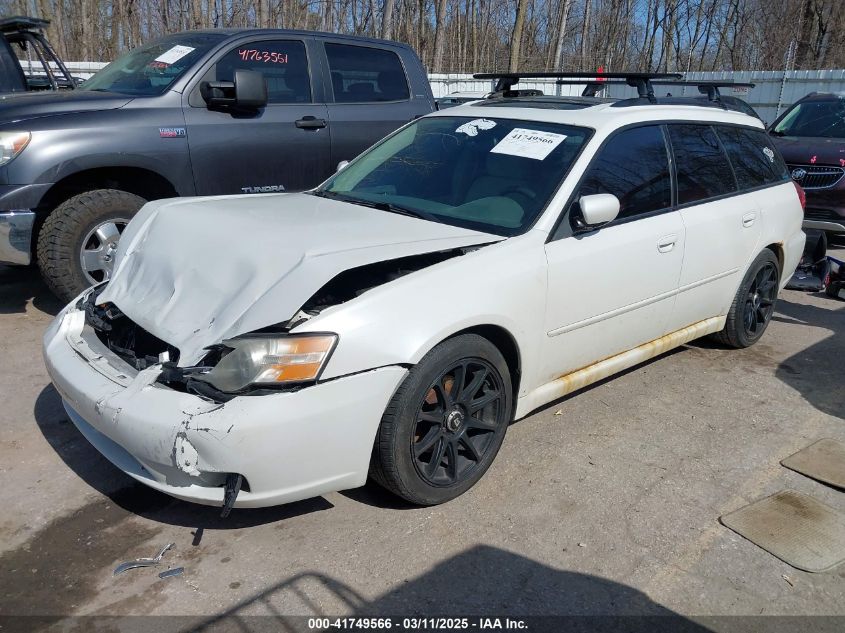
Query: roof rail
(641, 81)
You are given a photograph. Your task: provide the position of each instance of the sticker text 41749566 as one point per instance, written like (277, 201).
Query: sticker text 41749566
(253, 54)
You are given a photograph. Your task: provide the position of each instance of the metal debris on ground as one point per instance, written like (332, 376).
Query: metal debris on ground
(176, 571)
(142, 562)
(788, 580)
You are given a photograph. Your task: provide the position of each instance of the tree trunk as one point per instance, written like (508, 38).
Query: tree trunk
(439, 36)
(516, 35)
(561, 33)
(387, 19)
(585, 32)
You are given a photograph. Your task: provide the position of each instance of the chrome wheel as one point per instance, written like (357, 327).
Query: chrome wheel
(98, 249)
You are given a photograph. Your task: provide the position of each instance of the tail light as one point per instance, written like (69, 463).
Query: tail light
(802, 197)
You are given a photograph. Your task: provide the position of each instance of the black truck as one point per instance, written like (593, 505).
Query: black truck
(196, 113)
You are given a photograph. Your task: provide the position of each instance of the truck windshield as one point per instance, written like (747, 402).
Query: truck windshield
(814, 118)
(151, 69)
(492, 175)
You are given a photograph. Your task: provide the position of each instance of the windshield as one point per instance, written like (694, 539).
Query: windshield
(492, 175)
(814, 118)
(151, 69)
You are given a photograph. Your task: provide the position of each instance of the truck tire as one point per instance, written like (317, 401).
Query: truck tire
(753, 304)
(77, 240)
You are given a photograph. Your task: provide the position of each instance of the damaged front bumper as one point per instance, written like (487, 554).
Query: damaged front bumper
(288, 446)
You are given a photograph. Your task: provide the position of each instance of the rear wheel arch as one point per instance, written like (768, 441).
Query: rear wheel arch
(777, 249)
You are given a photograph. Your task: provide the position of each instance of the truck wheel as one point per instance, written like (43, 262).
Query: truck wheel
(754, 303)
(76, 244)
(445, 424)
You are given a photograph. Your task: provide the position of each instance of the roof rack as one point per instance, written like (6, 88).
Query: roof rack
(22, 23)
(641, 81)
(709, 88)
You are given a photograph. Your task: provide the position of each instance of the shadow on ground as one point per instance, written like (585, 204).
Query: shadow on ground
(136, 498)
(482, 581)
(21, 284)
(817, 372)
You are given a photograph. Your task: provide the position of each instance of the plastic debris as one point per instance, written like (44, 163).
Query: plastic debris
(176, 571)
(142, 562)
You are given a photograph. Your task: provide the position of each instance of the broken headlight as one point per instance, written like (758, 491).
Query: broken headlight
(267, 361)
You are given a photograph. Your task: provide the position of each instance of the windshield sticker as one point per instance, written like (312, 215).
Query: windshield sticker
(253, 54)
(769, 154)
(174, 54)
(528, 143)
(471, 128)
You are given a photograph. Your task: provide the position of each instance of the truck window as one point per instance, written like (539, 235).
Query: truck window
(361, 74)
(284, 64)
(152, 68)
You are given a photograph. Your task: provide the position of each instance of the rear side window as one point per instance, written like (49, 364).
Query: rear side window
(362, 75)
(633, 166)
(701, 165)
(284, 65)
(753, 157)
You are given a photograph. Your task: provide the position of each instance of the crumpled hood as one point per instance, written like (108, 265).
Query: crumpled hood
(194, 271)
(20, 106)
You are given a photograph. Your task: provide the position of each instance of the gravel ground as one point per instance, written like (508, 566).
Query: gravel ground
(606, 502)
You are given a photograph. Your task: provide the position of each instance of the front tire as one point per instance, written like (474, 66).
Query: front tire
(753, 304)
(445, 424)
(76, 244)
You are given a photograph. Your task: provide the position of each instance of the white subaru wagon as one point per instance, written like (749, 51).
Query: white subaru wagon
(469, 268)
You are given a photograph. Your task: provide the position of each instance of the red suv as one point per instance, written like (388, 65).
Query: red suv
(811, 137)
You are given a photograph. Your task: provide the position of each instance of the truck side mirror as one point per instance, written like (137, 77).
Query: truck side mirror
(247, 91)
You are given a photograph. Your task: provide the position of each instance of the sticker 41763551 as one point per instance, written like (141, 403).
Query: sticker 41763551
(528, 143)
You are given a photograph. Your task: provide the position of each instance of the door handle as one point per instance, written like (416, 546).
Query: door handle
(748, 219)
(310, 123)
(666, 243)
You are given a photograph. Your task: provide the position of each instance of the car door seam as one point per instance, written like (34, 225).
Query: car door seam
(612, 313)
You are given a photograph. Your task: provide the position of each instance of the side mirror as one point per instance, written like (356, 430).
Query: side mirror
(599, 208)
(342, 165)
(247, 91)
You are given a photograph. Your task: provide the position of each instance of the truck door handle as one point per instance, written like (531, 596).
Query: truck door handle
(666, 243)
(748, 219)
(310, 123)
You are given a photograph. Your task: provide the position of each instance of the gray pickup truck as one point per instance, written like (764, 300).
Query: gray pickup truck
(196, 113)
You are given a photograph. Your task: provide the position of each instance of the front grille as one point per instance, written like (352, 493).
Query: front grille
(816, 176)
(823, 215)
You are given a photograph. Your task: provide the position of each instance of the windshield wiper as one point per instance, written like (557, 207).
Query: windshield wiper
(390, 207)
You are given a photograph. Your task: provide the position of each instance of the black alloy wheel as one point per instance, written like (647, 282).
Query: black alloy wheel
(760, 300)
(457, 421)
(445, 424)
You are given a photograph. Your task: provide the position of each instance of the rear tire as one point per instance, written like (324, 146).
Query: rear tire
(445, 424)
(73, 228)
(754, 303)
